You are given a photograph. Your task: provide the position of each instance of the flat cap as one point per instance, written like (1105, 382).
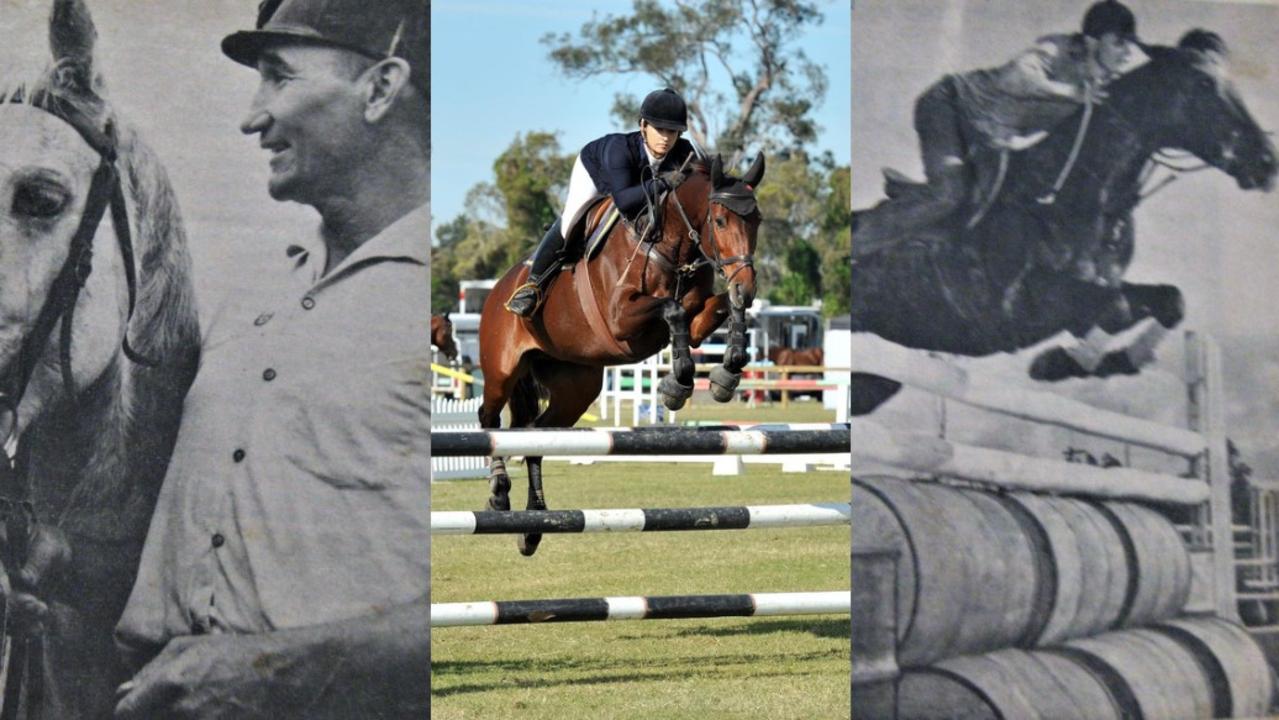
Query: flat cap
(378, 29)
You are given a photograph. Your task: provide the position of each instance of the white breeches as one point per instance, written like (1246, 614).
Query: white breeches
(581, 192)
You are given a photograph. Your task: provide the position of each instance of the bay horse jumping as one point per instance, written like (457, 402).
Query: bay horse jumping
(622, 305)
(1047, 250)
(442, 336)
(98, 344)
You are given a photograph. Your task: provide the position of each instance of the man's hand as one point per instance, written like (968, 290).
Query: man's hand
(320, 672)
(211, 676)
(1095, 93)
(48, 555)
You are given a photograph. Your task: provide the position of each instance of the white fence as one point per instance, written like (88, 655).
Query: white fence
(450, 414)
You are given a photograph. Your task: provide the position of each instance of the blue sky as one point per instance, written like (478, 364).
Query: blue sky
(491, 79)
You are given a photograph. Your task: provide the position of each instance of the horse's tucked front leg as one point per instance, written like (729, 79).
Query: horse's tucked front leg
(724, 378)
(677, 386)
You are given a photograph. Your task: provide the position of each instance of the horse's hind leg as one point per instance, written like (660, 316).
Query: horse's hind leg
(571, 390)
(677, 386)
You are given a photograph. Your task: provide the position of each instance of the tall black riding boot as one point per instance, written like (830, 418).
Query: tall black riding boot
(547, 258)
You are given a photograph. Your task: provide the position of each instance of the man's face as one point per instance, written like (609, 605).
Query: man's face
(1113, 52)
(308, 113)
(659, 140)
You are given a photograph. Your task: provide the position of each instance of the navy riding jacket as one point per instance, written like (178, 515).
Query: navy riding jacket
(615, 162)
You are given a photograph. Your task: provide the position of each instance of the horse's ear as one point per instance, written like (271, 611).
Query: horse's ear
(72, 37)
(756, 173)
(717, 171)
(446, 314)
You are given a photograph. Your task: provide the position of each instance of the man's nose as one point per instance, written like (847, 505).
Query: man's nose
(258, 118)
(255, 122)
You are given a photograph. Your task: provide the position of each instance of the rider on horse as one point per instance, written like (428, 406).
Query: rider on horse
(634, 168)
(1009, 107)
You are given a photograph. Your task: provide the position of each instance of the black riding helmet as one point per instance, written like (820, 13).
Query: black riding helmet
(1110, 16)
(665, 109)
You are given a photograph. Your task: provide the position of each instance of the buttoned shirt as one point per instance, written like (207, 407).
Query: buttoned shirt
(298, 489)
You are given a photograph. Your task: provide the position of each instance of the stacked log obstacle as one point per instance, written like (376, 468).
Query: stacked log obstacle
(763, 440)
(1180, 670)
(488, 522)
(793, 439)
(662, 607)
(1032, 587)
(1202, 445)
(978, 571)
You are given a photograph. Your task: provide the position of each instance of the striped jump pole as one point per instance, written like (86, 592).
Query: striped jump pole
(487, 522)
(669, 607)
(763, 440)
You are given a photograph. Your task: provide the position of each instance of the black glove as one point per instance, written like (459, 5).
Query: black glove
(672, 179)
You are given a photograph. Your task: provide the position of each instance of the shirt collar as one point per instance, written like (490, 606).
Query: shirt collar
(405, 239)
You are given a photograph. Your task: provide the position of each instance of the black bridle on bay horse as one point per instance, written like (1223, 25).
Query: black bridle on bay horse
(105, 191)
(739, 198)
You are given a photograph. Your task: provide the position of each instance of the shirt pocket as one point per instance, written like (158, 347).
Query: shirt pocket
(361, 429)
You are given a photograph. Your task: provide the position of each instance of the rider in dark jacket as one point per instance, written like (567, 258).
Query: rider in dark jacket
(630, 167)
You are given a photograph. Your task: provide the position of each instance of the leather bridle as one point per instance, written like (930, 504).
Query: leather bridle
(17, 511)
(737, 200)
(105, 191)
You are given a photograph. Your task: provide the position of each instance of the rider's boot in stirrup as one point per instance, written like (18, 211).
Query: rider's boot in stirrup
(546, 264)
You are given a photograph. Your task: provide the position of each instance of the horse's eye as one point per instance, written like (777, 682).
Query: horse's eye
(39, 199)
(721, 222)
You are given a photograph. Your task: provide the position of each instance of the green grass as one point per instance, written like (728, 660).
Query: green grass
(719, 668)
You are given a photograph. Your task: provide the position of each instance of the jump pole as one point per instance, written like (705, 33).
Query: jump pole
(487, 522)
(669, 607)
(637, 441)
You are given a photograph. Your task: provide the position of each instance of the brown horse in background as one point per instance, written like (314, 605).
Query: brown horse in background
(789, 356)
(442, 336)
(620, 306)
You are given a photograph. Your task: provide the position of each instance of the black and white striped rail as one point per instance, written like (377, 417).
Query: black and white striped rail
(669, 607)
(761, 440)
(487, 522)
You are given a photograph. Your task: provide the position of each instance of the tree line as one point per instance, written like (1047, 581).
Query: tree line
(749, 87)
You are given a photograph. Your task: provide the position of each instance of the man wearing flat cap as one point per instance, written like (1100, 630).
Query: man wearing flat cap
(286, 569)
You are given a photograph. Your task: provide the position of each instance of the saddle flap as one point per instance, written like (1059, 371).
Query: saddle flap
(599, 224)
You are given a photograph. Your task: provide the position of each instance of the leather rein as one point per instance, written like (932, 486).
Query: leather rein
(17, 510)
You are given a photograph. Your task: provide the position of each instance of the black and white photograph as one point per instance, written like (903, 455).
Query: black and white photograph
(1064, 331)
(214, 292)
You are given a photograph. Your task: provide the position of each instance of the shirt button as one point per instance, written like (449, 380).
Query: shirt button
(262, 319)
(238, 455)
(218, 540)
(268, 374)
(308, 302)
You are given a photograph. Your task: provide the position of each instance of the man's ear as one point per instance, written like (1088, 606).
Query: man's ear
(385, 81)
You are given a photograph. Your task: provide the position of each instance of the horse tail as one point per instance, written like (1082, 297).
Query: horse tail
(524, 401)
